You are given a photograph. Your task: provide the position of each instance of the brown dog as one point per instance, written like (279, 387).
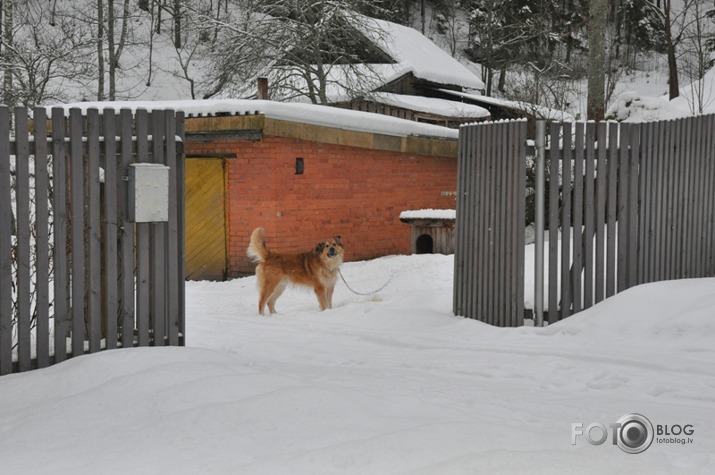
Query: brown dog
(317, 269)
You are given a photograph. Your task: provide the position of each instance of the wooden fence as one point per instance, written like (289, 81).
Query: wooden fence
(76, 275)
(489, 250)
(625, 204)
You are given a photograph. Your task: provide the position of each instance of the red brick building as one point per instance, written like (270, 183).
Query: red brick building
(305, 182)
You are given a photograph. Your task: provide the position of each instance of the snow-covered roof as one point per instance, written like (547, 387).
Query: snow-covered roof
(430, 105)
(428, 214)
(417, 54)
(295, 112)
(541, 111)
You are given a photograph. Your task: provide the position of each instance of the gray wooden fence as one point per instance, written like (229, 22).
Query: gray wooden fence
(489, 251)
(626, 204)
(76, 275)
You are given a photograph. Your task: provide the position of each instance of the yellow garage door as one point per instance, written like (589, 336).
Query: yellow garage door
(205, 219)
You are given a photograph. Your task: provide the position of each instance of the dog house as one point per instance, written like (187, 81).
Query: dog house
(432, 230)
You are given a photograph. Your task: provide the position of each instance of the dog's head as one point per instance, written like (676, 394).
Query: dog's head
(331, 251)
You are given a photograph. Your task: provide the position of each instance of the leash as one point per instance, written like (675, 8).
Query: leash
(361, 293)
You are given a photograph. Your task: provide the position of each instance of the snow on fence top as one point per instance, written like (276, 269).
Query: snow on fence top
(294, 112)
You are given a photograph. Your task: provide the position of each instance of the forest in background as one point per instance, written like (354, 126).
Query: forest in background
(70, 50)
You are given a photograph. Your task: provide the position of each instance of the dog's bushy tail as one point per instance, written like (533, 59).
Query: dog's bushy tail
(257, 250)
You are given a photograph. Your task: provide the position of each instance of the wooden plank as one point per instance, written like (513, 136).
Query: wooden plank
(5, 245)
(158, 243)
(42, 240)
(623, 218)
(172, 246)
(181, 222)
(696, 205)
(509, 224)
(22, 196)
(699, 196)
(110, 226)
(59, 250)
(566, 230)
(126, 233)
(611, 200)
(600, 207)
(518, 164)
(648, 186)
(479, 189)
(660, 206)
(143, 241)
(676, 230)
(77, 221)
(493, 140)
(521, 219)
(469, 285)
(553, 214)
(460, 235)
(589, 198)
(499, 224)
(632, 220)
(94, 238)
(669, 199)
(710, 194)
(686, 264)
(705, 243)
(578, 258)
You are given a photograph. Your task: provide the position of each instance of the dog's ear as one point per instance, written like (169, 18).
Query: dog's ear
(337, 241)
(319, 248)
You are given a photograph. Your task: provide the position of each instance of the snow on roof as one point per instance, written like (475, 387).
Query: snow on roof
(429, 214)
(294, 112)
(417, 54)
(541, 111)
(430, 105)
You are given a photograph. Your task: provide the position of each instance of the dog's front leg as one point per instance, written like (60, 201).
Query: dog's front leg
(329, 292)
(322, 295)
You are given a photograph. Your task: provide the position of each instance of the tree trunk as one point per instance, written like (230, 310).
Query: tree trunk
(595, 109)
(111, 51)
(100, 50)
(177, 24)
(673, 87)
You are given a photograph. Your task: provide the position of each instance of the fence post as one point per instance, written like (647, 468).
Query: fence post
(539, 224)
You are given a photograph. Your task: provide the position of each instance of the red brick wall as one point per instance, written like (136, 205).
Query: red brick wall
(356, 193)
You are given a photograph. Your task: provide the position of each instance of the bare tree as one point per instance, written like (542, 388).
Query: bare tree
(114, 45)
(8, 43)
(696, 45)
(50, 49)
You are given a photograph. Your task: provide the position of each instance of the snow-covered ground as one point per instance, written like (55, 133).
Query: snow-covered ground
(384, 384)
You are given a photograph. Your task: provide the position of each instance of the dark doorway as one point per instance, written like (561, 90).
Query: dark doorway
(424, 244)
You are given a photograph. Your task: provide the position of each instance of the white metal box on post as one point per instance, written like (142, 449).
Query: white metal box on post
(148, 192)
